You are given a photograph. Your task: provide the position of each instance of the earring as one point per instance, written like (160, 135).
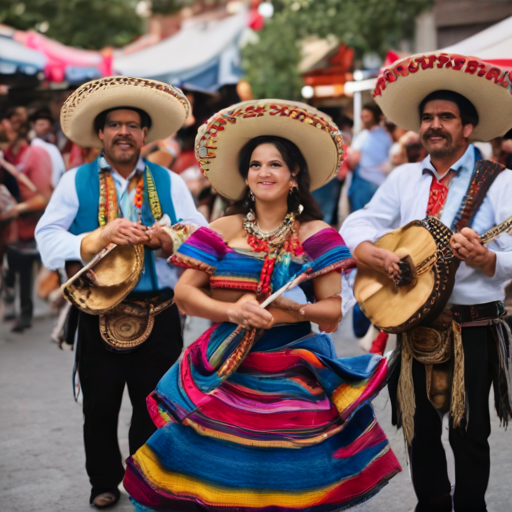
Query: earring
(249, 199)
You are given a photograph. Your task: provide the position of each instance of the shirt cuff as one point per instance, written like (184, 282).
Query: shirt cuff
(75, 248)
(503, 270)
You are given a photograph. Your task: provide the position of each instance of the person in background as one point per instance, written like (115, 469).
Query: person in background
(413, 149)
(41, 123)
(369, 157)
(34, 164)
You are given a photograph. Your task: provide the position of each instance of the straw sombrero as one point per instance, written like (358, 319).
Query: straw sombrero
(403, 86)
(220, 139)
(166, 105)
(106, 280)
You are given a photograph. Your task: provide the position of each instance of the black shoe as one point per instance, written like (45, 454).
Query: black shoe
(21, 325)
(104, 497)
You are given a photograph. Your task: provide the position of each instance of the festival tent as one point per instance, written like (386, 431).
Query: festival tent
(65, 63)
(203, 55)
(18, 62)
(494, 44)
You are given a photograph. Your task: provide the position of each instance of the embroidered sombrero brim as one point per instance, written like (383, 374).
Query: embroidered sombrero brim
(403, 86)
(220, 140)
(166, 105)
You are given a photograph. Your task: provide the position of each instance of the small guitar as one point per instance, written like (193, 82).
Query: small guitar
(428, 267)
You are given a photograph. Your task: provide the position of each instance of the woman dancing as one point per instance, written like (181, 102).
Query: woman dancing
(259, 414)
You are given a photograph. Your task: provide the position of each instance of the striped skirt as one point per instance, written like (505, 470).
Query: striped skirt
(291, 429)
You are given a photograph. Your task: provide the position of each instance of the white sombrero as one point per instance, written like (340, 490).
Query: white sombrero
(166, 105)
(220, 139)
(403, 86)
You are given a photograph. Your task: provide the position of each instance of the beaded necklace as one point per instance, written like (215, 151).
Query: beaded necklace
(109, 207)
(284, 239)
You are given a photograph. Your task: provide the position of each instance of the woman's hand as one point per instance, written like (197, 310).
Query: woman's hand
(248, 313)
(326, 313)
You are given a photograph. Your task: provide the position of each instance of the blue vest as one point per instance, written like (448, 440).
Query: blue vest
(87, 183)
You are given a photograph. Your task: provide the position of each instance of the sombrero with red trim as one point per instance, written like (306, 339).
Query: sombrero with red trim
(402, 87)
(220, 140)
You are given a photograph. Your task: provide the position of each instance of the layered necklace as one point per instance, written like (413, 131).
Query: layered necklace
(283, 239)
(109, 207)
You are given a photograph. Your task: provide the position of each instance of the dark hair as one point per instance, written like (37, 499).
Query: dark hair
(294, 160)
(99, 122)
(468, 113)
(375, 110)
(41, 114)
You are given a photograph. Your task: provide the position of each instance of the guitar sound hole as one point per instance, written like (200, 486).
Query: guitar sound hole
(407, 272)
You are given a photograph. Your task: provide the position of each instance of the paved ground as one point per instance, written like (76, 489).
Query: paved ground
(42, 459)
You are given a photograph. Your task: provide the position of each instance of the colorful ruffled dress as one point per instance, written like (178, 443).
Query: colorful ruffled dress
(291, 429)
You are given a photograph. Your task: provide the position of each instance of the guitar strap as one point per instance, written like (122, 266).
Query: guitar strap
(483, 177)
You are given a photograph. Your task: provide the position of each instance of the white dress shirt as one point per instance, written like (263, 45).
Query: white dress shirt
(57, 245)
(404, 197)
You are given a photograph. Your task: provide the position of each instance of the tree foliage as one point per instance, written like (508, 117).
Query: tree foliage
(89, 24)
(271, 63)
(169, 6)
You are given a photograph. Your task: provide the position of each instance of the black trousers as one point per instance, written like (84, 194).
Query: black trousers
(103, 376)
(22, 263)
(470, 446)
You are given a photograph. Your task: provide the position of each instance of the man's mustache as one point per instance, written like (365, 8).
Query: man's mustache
(435, 133)
(121, 139)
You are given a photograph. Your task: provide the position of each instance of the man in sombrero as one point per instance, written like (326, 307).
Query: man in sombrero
(451, 100)
(121, 199)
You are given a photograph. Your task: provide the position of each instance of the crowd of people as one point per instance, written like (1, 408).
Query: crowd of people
(259, 412)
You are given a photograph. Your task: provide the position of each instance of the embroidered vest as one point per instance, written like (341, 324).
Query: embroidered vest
(87, 185)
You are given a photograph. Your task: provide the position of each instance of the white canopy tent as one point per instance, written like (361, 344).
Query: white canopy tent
(203, 55)
(493, 44)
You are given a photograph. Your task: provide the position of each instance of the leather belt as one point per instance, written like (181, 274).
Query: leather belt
(478, 314)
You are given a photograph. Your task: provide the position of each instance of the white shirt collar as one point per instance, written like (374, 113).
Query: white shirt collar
(465, 162)
(104, 165)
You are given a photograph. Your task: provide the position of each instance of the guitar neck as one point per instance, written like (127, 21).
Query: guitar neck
(495, 232)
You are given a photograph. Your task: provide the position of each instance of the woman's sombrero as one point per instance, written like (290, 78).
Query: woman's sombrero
(402, 87)
(220, 139)
(166, 105)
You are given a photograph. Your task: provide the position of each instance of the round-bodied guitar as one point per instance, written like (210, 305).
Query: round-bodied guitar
(427, 275)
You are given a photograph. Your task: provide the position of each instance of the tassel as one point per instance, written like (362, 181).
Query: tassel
(379, 343)
(458, 405)
(405, 394)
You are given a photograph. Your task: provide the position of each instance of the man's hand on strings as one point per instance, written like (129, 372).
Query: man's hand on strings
(378, 259)
(467, 246)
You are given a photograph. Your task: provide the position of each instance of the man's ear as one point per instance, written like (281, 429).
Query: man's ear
(145, 131)
(100, 135)
(468, 130)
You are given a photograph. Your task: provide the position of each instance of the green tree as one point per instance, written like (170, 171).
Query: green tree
(271, 62)
(89, 24)
(169, 6)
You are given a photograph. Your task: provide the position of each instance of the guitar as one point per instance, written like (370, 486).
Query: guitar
(427, 275)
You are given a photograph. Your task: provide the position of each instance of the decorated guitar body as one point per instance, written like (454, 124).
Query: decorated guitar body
(427, 265)
(395, 307)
